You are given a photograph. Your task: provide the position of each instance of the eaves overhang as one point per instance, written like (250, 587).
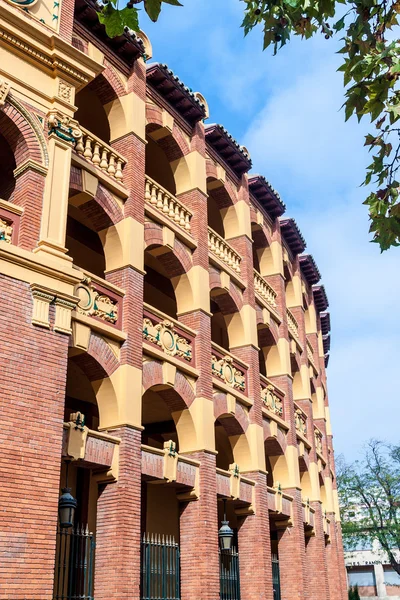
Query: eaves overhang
(266, 196)
(325, 318)
(326, 342)
(320, 298)
(175, 92)
(227, 148)
(293, 236)
(309, 269)
(127, 47)
(326, 358)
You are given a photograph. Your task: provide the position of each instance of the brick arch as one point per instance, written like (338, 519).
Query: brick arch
(304, 463)
(178, 397)
(154, 118)
(238, 423)
(103, 210)
(261, 237)
(174, 145)
(223, 195)
(273, 445)
(114, 79)
(268, 336)
(211, 169)
(99, 361)
(176, 261)
(228, 302)
(20, 135)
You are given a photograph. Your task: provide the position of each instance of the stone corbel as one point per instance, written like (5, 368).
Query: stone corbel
(4, 89)
(64, 307)
(235, 481)
(77, 436)
(42, 298)
(170, 461)
(193, 494)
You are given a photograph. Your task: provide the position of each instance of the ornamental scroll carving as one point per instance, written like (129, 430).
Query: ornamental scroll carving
(64, 127)
(94, 303)
(224, 369)
(300, 421)
(4, 89)
(271, 400)
(318, 440)
(6, 231)
(163, 334)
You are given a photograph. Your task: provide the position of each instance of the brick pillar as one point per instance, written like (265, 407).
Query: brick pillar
(332, 560)
(199, 536)
(33, 377)
(341, 563)
(255, 541)
(292, 556)
(316, 560)
(117, 575)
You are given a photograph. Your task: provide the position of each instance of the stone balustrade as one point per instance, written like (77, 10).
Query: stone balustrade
(222, 250)
(229, 370)
(293, 325)
(167, 204)
(100, 154)
(99, 299)
(168, 335)
(271, 397)
(263, 289)
(300, 420)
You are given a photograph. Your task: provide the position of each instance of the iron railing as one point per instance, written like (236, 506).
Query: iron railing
(276, 581)
(73, 578)
(229, 575)
(160, 568)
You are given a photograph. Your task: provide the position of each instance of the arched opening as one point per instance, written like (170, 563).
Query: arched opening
(268, 354)
(158, 289)
(276, 464)
(80, 396)
(159, 425)
(220, 213)
(83, 243)
(158, 166)
(222, 446)
(7, 167)
(219, 329)
(91, 113)
(305, 480)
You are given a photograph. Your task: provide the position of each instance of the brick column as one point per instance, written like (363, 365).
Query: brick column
(255, 546)
(316, 558)
(117, 574)
(33, 377)
(199, 536)
(292, 556)
(332, 559)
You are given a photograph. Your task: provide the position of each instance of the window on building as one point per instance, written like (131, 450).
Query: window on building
(391, 577)
(362, 577)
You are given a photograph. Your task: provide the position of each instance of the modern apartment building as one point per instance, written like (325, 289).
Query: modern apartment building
(165, 339)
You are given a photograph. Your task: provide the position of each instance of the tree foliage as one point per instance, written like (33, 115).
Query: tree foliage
(369, 495)
(354, 593)
(371, 69)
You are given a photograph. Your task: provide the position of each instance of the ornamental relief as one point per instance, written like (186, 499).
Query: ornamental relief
(224, 369)
(272, 401)
(4, 89)
(300, 421)
(93, 303)
(6, 231)
(163, 335)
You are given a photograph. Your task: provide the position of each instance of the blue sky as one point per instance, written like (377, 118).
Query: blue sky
(286, 111)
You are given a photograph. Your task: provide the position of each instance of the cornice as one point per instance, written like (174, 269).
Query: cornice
(44, 48)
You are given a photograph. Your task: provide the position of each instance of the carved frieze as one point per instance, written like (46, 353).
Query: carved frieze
(300, 420)
(6, 231)
(164, 335)
(4, 89)
(94, 303)
(271, 400)
(224, 369)
(64, 127)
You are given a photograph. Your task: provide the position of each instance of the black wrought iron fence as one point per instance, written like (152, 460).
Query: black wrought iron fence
(73, 578)
(276, 581)
(229, 575)
(160, 568)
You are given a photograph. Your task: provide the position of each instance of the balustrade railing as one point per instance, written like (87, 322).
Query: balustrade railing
(222, 250)
(264, 290)
(170, 336)
(293, 325)
(167, 204)
(300, 420)
(99, 299)
(100, 154)
(225, 367)
(271, 397)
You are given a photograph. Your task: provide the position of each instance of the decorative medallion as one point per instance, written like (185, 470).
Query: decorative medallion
(163, 335)
(6, 231)
(94, 303)
(225, 370)
(22, 3)
(64, 127)
(64, 90)
(271, 400)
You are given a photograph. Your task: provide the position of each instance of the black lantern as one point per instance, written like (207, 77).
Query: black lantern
(225, 534)
(66, 506)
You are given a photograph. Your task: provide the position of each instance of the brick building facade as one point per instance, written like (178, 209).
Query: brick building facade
(165, 338)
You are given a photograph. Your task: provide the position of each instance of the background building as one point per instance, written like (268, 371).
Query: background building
(370, 570)
(165, 338)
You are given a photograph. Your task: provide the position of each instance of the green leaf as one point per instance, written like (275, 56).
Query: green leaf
(112, 20)
(173, 2)
(153, 9)
(339, 25)
(130, 18)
